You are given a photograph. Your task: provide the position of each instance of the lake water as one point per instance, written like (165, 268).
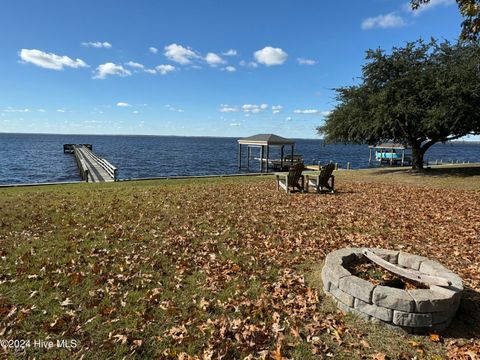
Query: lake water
(35, 158)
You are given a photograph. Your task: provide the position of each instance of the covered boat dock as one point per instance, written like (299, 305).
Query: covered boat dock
(264, 142)
(390, 153)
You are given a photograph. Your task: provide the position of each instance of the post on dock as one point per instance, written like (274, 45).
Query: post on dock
(268, 153)
(403, 156)
(262, 154)
(281, 157)
(293, 150)
(249, 152)
(370, 157)
(239, 156)
(348, 165)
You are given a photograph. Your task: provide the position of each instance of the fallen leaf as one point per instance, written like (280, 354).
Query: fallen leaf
(66, 302)
(379, 356)
(364, 343)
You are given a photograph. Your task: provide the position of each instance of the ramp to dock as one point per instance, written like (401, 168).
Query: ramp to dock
(92, 168)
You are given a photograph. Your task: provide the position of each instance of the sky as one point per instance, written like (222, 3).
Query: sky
(193, 67)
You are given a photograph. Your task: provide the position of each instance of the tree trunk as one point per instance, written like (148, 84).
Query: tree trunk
(417, 156)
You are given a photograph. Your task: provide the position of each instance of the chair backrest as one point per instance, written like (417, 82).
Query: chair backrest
(325, 174)
(294, 173)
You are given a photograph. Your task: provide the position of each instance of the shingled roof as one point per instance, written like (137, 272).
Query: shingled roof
(265, 139)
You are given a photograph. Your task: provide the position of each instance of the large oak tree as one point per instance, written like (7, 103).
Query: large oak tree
(417, 95)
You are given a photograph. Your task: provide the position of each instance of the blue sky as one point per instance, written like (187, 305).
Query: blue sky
(196, 67)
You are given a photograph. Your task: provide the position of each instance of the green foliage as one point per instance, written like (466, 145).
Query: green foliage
(470, 11)
(418, 95)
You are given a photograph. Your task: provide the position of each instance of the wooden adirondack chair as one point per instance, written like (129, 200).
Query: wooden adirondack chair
(293, 180)
(324, 180)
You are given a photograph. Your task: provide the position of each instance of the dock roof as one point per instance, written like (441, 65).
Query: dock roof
(389, 146)
(265, 139)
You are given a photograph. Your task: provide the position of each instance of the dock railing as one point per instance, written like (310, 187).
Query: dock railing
(82, 166)
(109, 168)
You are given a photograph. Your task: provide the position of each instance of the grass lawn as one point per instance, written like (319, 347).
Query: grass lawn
(226, 267)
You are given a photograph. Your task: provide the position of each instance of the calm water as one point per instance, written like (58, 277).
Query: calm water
(32, 158)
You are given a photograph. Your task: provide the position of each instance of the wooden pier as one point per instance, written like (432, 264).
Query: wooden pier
(92, 168)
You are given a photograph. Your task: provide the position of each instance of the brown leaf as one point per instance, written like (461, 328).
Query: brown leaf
(379, 356)
(364, 343)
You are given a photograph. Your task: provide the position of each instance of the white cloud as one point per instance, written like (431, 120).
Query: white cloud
(303, 61)
(165, 69)
(383, 21)
(289, 118)
(123, 104)
(428, 6)
(229, 69)
(135, 112)
(213, 59)
(277, 109)
(311, 112)
(231, 52)
(12, 110)
(111, 69)
(42, 110)
(235, 124)
(60, 110)
(249, 64)
(150, 71)
(153, 50)
(228, 109)
(270, 56)
(254, 109)
(97, 44)
(135, 65)
(172, 108)
(180, 54)
(307, 111)
(50, 60)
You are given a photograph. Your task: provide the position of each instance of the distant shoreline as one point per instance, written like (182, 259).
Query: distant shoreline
(143, 135)
(197, 136)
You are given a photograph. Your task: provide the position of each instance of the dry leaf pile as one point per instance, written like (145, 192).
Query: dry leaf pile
(214, 268)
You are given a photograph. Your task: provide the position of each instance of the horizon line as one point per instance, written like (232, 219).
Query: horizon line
(150, 135)
(194, 136)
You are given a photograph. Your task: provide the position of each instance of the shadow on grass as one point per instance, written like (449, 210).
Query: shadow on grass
(466, 323)
(459, 171)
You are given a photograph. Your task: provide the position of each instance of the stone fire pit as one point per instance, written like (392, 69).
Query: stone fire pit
(418, 310)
